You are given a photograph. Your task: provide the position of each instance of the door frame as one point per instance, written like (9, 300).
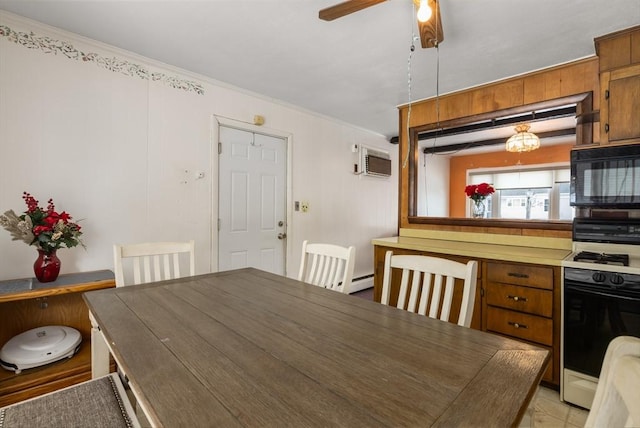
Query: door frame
(216, 122)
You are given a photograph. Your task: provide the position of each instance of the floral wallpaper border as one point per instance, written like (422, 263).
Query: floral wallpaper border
(49, 45)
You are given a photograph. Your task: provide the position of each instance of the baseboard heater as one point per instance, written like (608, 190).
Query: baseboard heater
(361, 283)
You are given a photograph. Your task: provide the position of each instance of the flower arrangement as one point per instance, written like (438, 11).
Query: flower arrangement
(46, 229)
(478, 192)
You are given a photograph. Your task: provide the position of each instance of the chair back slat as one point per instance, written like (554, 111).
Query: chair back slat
(413, 293)
(433, 282)
(327, 265)
(447, 299)
(313, 272)
(425, 293)
(404, 284)
(136, 272)
(153, 261)
(435, 296)
(176, 266)
(156, 269)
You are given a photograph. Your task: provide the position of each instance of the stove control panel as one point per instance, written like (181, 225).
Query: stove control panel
(602, 279)
(596, 276)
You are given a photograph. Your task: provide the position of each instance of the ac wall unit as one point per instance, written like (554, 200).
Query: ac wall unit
(374, 162)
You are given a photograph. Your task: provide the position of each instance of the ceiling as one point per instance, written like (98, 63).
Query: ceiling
(354, 69)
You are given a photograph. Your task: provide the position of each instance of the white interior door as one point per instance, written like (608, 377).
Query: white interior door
(252, 193)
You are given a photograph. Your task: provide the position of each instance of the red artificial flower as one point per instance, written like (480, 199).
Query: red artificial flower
(470, 190)
(484, 189)
(51, 220)
(479, 191)
(64, 217)
(37, 230)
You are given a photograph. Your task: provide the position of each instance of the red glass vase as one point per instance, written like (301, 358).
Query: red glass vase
(47, 266)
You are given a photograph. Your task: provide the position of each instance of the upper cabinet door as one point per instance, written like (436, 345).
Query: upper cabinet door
(619, 56)
(619, 108)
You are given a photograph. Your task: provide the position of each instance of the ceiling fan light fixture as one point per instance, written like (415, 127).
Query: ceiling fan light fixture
(424, 11)
(522, 140)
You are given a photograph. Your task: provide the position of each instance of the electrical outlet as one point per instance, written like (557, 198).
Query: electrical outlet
(304, 206)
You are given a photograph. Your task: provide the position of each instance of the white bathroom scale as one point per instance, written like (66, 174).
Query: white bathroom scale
(39, 346)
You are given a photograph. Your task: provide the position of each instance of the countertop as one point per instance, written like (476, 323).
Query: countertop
(521, 251)
(25, 288)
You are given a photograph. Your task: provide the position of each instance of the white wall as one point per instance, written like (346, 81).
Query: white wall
(433, 185)
(112, 150)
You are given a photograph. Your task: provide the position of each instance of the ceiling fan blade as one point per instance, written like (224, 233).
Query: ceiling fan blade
(431, 31)
(346, 8)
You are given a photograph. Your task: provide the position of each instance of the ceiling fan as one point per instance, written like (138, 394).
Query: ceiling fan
(430, 30)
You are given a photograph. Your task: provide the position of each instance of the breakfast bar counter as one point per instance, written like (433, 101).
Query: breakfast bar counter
(511, 248)
(518, 293)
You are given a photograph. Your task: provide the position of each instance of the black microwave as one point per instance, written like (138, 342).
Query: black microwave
(606, 177)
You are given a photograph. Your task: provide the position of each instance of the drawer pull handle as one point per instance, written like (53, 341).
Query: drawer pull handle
(518, 275)
(517, 298)
(516, 325)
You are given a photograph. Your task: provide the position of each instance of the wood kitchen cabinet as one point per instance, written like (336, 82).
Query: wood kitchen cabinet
(27, 304)
(519, 303)
(518, 300)
(619, 55)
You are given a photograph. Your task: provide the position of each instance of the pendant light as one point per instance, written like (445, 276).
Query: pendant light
(523, 140)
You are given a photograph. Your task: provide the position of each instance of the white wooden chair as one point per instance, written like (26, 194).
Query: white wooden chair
(617, 399)
(430, 276)
(153, 261)
(327, 265)
(99, 402)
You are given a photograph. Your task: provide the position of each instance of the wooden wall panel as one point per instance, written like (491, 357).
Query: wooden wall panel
(563, 81)
(635, 47)
(498, 96)
(540, 87)
(581, 78)
(446, 108)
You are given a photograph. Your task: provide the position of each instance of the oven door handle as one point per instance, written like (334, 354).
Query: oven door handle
(588, 291)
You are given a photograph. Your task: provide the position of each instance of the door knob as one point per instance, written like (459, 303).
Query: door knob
(282, 235)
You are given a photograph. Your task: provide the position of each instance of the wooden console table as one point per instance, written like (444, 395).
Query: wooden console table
(26, 304)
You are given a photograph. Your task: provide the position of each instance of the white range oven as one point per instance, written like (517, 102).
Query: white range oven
(600, 300)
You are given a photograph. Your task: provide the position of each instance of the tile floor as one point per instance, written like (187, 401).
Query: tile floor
(547, 410)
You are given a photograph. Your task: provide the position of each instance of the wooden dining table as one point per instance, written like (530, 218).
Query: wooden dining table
(250, 348)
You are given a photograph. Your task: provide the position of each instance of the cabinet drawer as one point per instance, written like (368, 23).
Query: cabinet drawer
(523, 299)
(530, 276)
(524, 326)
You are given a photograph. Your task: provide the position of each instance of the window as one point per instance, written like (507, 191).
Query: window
(527, 194)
